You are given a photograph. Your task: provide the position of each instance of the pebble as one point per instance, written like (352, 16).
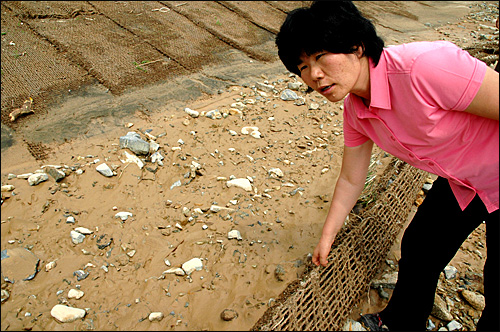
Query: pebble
(194, 264)
(37, 178)
(228, 314)
(234, 234)
(8, 187)
(240, 183)
(49, 266)
(155, 316)
(123, 215)
(288, 95)
(104, 170)
(476, 300)
(134, 143)
(75, 294)
(65, 314)
(440, 310)
(450, 272)
(454, 325)
(83, 230)
(191, 112)
(77, 237)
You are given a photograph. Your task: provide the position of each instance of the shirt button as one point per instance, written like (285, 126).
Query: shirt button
(431, 163)
(392, 137)
(411, 155)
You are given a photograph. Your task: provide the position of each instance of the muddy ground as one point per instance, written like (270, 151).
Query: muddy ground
(97, 70)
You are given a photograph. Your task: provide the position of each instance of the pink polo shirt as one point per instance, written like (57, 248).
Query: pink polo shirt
(419, 92)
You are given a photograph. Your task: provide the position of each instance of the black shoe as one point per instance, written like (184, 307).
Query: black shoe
(373, 322)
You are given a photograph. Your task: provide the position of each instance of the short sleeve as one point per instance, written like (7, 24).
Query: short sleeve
(352, 137)
(447, 77)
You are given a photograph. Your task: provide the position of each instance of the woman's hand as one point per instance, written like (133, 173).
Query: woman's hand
(322, 250)
(350, 184)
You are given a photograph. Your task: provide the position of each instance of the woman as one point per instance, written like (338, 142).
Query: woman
(428, 103)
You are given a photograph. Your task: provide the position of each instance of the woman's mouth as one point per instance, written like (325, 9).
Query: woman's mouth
(325, 88)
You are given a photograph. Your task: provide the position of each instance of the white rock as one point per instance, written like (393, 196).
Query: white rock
(175, 270)
(75, 294)
(450, 272)
(49, 266)
(454, 325)
(194, 264)
(240, 183)
(191, 112)
(233, 133)
(234, 234)
(24, 176)
(131, 158)
(123, 215)
(276, 171)
(158, 316)
(248, 130)
(352, 325)
(217, 208)
(8, 187)
(37, 178)
(76, 237)
(83, 230)
(104, 170)
(66, 314)
(255, 134)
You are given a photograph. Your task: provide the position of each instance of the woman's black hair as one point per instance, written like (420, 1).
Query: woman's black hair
(333, 26)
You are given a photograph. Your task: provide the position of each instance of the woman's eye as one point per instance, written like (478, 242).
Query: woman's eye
(301, 68)
(319, 56)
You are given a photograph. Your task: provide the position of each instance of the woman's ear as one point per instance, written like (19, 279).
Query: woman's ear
(360, 52)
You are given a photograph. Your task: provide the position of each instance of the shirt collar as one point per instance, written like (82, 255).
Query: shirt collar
(379, 84)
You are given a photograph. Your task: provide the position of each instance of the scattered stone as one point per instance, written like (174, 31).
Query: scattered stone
(275, 172)
(352, 325)
(476, 300)
(37, 178)
(77, 237)
(134, 143)
(240, 183)
(155, 316)
(194, 264)
(130, 158)
(104, 241)
(234, 234)
(450, 272)
(8, 187)
(440, 310)
(388, 280)
(123, 215)
(175, 270)
(75, 294)
(288, 95)
(191, 112)
(104, 170)
(57, 174)
(228, 314)
(454, 325)
(18, 264)
(279, 272)
(65, 314)
(5, 295)
(83, 230)
(80, 275)
(49, 266)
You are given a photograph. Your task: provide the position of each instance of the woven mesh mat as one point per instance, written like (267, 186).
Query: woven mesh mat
(323, 297)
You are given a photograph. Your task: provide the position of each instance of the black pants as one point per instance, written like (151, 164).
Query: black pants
(429, 243)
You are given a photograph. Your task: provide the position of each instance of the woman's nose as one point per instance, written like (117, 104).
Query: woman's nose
(316, 73)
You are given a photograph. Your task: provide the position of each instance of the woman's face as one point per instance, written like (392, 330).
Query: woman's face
(334, 75)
